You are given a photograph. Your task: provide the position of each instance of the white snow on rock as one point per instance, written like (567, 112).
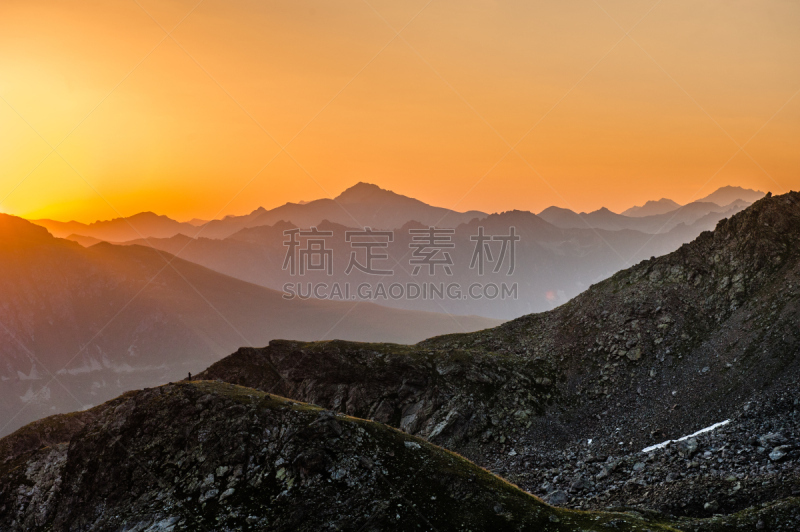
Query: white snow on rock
(699, 432)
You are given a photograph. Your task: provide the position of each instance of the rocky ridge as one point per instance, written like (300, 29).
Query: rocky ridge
(240, 459)
(658, 351)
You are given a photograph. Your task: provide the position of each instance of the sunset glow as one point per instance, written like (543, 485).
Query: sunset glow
(193, 125)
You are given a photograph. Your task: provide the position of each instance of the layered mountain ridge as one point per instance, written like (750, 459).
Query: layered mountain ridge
(560, 252)
(552, 264)
(561, 402)
(80, 326)
(656, 352)
(363, 204)
(368, 205)
(653, 315)
(649, 224)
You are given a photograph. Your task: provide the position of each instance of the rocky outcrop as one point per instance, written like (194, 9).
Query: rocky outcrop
(209, 456)
(448, 397)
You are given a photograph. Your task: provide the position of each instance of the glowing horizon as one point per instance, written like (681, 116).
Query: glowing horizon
(193, 128)
(295, 202)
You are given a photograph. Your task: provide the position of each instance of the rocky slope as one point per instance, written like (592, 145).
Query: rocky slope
(656, 352)
(245, 460)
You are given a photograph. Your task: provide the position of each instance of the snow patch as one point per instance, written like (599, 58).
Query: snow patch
(699, 432)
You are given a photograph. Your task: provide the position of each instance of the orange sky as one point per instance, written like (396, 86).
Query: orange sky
(183, 127)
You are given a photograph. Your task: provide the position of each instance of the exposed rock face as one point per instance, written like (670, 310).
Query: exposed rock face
(445, 396)
(209, 456)
(656, 352)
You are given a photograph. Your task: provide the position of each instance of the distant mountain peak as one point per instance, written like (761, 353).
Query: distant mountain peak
(363, 185)
(721, 197)
(652, 207)
(362, 191)
(554, 209)
(728, 194)
(735, 188)
(144, 215)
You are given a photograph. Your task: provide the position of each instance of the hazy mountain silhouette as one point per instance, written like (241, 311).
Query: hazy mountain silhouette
(360, 205)
(656, 223)
(365, 204)
(652, 207)
(86, 241)
(552, 264)
(723, 197)
(561, 254)
(142, 225)
(728, 194)
(599, 219)
(110, 318)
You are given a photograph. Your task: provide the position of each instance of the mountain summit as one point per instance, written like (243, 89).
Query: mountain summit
(366, 193)
(722, 197)
(362, 205)
(361, 192)
(728, 194)
(652, 207)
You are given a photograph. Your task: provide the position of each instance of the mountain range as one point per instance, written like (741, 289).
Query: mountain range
(667, 393)
(66, 310)
(551, 264)
(144, 224)
(560, 252)
(651, 224)
(81, 325)
(722, 196)
(367, 205)
(652, 207)
(361, 205)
